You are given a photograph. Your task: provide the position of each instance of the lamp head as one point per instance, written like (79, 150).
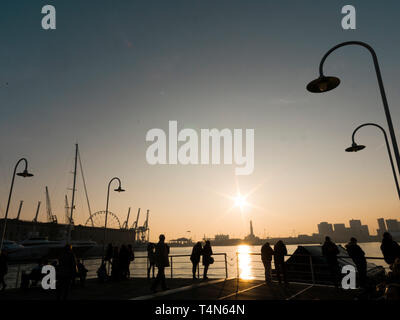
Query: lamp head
(119, 189)
(355, 148)
(25, 174)
(323, 84)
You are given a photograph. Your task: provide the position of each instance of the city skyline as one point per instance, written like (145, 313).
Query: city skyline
(135, 66)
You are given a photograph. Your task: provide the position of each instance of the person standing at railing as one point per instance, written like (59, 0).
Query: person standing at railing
(195, 257)
(330, 251)
(390, 249)
(151, 256)
(82, 272)
(358, 255)
(66, 272)
(266, 256)
(207, 259)
(131, 258)
(162, 261)
(279, 259)
(124, 261)
(3, 269)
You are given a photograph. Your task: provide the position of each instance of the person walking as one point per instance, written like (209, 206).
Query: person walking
(358, 255)
(151, 256)
(195, 257)
(66, 272)
(3, 269)
(330, 251)
(266, 256)
(390, 249)
(162, 261)
(279, 259)
(207, 259)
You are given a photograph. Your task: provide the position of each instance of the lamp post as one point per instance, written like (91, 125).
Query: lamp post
(324, 84)
(119, 189)
(356, 147)
(23, 174)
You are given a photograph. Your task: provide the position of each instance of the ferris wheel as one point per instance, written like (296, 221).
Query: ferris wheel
(98, 219)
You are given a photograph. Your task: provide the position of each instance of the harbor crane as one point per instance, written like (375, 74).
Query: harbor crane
(19, 209)
(125, 224)
(135, 224)
(142, 233)
(37, 212)
(50, 216)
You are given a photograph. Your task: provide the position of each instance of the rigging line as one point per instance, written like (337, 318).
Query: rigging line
(84, 186)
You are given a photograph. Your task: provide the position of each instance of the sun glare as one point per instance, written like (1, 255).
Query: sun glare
(240, 201)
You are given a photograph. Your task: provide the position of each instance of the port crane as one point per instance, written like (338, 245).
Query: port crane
(142, 233)
(50, 216)
(125, 224)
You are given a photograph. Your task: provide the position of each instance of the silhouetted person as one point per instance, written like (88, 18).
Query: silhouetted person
(279, 259)
(102, 272)
(358, 255)
(151, 256)
(36, 273)
(390, 248)
(115, 265)
(330, 251)
(162, 261)
(131, 258)
(124, 261)
(207, 259)
(266, 256)
(195, 257)
(3, 269)
(82, 272)
(66, 272)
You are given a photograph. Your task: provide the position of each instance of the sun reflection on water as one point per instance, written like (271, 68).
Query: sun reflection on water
(245, 271)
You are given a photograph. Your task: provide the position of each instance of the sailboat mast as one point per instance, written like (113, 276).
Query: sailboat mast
(73, 195)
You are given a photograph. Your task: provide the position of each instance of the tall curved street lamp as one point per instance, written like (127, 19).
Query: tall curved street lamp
(23, 174)
(119, 189)
(324, 84)
(356, 147)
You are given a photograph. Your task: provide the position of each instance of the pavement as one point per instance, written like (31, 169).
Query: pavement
(187, 289)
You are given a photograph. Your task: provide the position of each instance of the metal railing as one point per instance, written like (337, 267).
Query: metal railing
(307, 269)
(180, 266)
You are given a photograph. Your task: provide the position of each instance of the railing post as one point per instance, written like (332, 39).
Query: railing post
(171, 266)
(312, 270)
(226, 267)
(16, 279)
(237, 265)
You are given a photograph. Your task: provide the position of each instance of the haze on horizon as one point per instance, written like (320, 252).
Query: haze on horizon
(113, 71)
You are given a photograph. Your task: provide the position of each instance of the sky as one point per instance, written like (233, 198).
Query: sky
(113, 70)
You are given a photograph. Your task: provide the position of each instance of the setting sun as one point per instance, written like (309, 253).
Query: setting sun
(240, 201)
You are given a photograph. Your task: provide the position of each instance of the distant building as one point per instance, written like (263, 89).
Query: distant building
(392, 225)
(381, 227)
(251, 237)
(358, 230)
(355, 224)
(341, 233)
(181, 242)
(325, 229)
(221, 237)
